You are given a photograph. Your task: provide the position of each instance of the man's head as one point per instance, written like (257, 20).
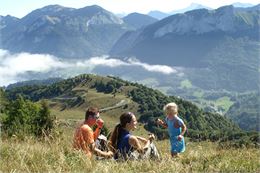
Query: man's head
(92, 112)
(92, 117)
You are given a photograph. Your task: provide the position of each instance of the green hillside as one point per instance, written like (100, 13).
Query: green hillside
(245, 111)
(69, 99)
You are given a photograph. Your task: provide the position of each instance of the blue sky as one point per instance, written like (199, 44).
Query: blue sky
(20, 8)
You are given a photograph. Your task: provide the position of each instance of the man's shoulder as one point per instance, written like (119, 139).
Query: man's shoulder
(85, 127)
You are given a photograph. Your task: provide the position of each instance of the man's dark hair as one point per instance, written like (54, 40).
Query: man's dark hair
(91, 111)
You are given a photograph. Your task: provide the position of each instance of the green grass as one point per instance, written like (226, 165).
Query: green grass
(57, 155)
(224, 102)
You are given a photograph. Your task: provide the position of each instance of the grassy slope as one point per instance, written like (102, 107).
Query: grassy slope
(58, 156)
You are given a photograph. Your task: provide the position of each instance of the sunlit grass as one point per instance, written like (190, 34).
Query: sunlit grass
(224, 102)
(57, 155)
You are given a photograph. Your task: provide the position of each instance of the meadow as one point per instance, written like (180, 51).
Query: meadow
(55, 154)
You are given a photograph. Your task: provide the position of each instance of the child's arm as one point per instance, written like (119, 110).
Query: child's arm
(162, 123)
(183, 130)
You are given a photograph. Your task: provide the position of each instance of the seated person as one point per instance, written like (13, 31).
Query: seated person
(123, 144)
(84, 137)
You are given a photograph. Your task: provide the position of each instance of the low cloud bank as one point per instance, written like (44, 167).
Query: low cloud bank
(13, 66)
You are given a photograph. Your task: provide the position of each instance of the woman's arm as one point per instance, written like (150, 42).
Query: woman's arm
(143, 140)
(134, 142)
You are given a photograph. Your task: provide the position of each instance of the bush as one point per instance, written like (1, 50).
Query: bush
(22, 117)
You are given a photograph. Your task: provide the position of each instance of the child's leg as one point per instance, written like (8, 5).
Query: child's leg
(174, 154)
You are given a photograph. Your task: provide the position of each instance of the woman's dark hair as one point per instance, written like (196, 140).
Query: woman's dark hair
(91, 111)
(124, 119)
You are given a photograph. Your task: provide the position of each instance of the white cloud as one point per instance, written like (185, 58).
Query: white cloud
(13, 66)
(105, 61)
(153, 68)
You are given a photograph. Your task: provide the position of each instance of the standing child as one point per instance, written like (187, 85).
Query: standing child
(176, 128)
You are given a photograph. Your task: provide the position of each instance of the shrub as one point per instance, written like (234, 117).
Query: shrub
(22, 117)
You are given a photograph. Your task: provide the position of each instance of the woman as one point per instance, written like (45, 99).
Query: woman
(123, 143)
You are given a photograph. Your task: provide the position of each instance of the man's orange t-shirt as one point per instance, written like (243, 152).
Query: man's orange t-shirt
(83, 138)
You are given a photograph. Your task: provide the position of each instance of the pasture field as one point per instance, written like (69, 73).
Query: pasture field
(55, 153)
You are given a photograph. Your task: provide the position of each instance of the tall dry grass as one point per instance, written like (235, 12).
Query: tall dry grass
(57, 155)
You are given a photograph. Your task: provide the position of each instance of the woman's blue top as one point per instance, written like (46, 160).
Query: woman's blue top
(123, 145)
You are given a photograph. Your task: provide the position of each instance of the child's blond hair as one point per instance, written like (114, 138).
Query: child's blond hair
(171, 108)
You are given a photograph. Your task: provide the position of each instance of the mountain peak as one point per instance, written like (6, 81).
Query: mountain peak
(98, 15)
(244, 5)
(158, 14)
(93, 29)
(226, 8)
(92, 9)
(138, 20)
(192, 6)
(196, 6)
(55, 7)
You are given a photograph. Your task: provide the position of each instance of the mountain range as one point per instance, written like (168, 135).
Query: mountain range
(187, 38)
(63, 32)
(214, 42)
(193, 6)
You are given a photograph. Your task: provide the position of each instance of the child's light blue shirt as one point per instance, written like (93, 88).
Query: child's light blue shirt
(176, 145)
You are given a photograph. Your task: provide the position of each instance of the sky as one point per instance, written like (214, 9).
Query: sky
(19, 8)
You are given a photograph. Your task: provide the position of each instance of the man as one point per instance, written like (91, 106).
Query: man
(84, 137)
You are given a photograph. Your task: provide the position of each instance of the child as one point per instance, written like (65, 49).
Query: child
(176, 128)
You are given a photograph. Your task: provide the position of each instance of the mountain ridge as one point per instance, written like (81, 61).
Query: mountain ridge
(137, 20)
(195, 40)
(64, 32)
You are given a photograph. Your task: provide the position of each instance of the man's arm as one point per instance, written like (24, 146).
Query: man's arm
(98, 152)
(88, 137)
(99, 124)
(96, 133)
